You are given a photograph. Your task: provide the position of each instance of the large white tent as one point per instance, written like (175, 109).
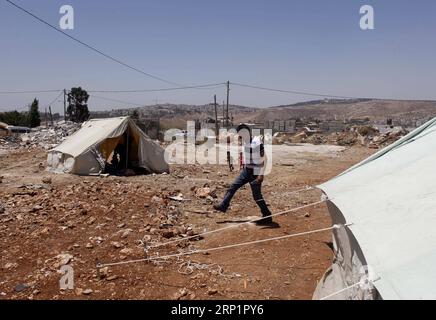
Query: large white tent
(87, 151)
(390, 201)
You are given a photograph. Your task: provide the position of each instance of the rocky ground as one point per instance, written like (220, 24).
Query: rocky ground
(49, 220)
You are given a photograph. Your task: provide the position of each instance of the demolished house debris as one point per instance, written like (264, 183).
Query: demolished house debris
(366, 135)
(93, 148)
(48, 138)
(12, 137)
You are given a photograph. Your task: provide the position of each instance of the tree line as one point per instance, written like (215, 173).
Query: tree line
(29, 118)
(77, 111)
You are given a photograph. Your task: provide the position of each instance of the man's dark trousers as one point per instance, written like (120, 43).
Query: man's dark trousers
(246, 176)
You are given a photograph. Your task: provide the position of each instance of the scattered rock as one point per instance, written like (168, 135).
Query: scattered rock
(112, 278)
(167, 234)
(202, 192)
(157, 199)
(46, 180)
(36, 292)
(61, 260)
(21, 287)
(116, 244)
(126, 233)
(212, 291)
(180, 294)
(87, 292)
(10, 265)
(36, 208)
(103, 272)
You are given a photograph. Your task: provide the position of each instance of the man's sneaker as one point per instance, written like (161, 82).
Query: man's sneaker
(264, 222)
(218, 207)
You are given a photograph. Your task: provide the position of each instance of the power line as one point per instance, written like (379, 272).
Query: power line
(306, 93)
(91, 47)
(315, 94)
(208, 86)
(200, 86)
(21, 108)
(54, 100)
(30, 92)
(14, 109)
(118, 101)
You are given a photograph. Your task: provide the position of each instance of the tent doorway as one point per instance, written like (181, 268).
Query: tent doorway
(121, 154)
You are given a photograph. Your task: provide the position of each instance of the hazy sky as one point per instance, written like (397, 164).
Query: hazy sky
(302, 45)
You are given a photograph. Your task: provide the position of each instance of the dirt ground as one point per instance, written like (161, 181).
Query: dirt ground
(47, 220)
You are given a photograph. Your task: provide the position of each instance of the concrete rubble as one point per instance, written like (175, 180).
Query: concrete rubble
(48, 138)
(42, 137)
(366, 136)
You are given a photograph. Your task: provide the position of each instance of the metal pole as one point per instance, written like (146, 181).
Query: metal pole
(216, 116)
(65, 105)
(227, 113)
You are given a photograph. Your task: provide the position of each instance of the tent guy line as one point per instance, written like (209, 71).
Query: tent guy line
(364, 281)
(307, 188)
(336, 226)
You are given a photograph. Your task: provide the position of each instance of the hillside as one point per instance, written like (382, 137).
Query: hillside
(347, 109)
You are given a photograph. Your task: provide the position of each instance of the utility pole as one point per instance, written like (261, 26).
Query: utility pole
(223, 112)
(216, 117)
(65, 105)
(51, 115)
(46, 118)
(227, 113)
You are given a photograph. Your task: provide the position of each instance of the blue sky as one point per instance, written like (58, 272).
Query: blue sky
(305, 45)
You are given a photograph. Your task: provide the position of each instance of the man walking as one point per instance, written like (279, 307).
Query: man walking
(252, 172)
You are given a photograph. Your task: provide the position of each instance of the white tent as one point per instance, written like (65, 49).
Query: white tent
(86, 151)
(390, 200)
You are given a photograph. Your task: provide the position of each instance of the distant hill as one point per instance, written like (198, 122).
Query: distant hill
(405, 112)
(350, 109)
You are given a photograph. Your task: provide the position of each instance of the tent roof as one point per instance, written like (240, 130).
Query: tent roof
(92, 132)
(391, 200)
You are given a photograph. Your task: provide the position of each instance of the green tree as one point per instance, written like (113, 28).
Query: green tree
(15, 118)
(77, 110)
(34, 119)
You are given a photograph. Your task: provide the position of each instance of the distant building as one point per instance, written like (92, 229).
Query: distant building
(281, 125)
(331, 126)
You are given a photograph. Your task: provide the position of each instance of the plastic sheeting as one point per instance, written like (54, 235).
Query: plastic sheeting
(390, 199)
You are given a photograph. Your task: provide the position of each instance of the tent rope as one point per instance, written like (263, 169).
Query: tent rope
(363, 281)
(336, 226)
(307, 188)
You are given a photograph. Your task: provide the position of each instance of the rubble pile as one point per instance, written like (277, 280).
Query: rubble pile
(41, 137)
(367, 136)
(10, 142)
(48, 138)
